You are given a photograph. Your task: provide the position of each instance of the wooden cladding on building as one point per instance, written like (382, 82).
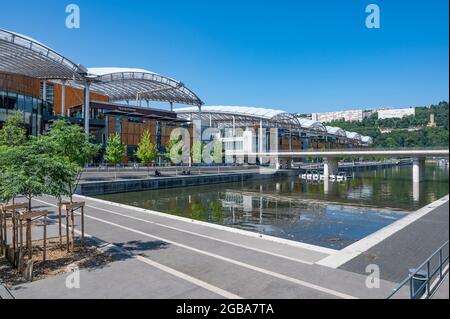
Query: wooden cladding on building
(131, 132)
(31, 87)
(74, 97)
(19, 84)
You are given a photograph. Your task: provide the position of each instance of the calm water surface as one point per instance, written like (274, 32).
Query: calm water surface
(332, 216)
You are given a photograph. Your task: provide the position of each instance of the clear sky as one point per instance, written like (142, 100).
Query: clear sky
(300, 56)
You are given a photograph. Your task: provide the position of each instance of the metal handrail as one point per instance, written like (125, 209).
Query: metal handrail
(416, 293)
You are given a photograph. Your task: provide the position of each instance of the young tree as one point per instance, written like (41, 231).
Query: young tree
(70, 143)
(114, 150)
(11, 135)
(197, 152)
(9, 187)
(217, 152)
(13, 132)
(146, 151)
(176, 149)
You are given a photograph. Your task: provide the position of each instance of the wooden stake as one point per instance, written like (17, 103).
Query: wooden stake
(60, 227)
(45, 238)
(73, 229)
(20, 263)
(30, 252)
(1, 231)
(82, 225)
(5, 233)
(14, 233)
(67, 230)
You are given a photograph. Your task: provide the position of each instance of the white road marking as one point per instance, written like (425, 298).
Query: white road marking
(205, 236)
(229, 260)
(176, 273)
(323, 250)
(343, 256)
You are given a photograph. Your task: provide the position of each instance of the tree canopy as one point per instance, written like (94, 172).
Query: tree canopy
(409, 131)
(114, 150)
(146, 152)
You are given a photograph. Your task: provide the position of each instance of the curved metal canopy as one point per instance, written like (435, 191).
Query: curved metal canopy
(20, 54)
(121, 84)
(367, 140)
(337, 131)
(241, 115)
(353, 136)
(312, 125)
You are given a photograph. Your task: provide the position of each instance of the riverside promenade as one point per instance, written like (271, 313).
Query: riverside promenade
(163, 256)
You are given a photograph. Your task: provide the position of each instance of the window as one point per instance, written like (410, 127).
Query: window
(50, 92)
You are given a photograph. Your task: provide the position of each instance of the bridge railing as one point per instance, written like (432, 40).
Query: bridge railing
(425, 279)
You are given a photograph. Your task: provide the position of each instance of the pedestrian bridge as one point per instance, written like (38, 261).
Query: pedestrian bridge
(331, 157)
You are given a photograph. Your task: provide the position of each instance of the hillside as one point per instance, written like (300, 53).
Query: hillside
(410, 131)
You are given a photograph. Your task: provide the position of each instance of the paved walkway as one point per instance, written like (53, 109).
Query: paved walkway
(160, 256)
(407, 248)
(443, 291)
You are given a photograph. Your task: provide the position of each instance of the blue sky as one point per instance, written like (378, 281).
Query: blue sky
(300, 56)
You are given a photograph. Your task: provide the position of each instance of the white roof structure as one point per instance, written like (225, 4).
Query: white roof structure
(367, 140)
(337, 131)
(122, 84)
(353, 136)
(235, 110)
(312, 125)
(247, 116)
(23, 55)
(240, 115)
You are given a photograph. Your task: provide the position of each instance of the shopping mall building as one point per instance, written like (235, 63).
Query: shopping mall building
(46, 85)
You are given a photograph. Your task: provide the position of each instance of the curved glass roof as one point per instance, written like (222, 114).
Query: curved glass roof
(247, 116)
(23, 55)
(122, 84)
(236, 110)
(367, 139)
(241, 116)
(20, 54)
(353, 136)
(312, 125)
(336, 131)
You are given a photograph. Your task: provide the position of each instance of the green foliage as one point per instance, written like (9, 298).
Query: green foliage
(28, 171)
(114, 150)
(176, 149)
(216, 210)
(170, 145)
(48, 164)
(217, 152)
(71, 142)
(422, 136)
(146, 152)
(13, 132)
(197, 151)
(426, 137)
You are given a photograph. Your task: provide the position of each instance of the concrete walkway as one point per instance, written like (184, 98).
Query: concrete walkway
(162, 256)
(407, 248)
(443, 291)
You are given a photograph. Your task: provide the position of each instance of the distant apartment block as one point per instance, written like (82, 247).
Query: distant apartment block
(395, 113)
(359, 115)
(326, 117)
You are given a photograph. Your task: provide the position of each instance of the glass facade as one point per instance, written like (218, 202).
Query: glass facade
(34, 110)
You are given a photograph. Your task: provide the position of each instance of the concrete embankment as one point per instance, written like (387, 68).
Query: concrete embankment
(94, 188)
